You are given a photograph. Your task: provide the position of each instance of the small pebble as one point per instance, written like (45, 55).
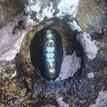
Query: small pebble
(90, 75)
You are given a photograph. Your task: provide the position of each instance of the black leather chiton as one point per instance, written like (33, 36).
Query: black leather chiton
(46, 52)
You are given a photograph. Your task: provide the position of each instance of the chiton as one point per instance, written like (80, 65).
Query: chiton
(46, 52)
(35, 54)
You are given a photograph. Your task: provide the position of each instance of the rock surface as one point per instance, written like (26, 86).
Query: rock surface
(82, 90)
(10, 43)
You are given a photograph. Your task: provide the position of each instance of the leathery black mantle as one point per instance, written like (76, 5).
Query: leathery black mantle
(46, 52)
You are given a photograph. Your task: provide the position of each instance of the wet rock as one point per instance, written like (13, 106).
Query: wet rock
(76, 91)
(8, 11)
(89, 46)
(10, 43)
(10, 93)
(101, 100)
(91, 15)
(1, 19)
(70, 64)
(36, 11)
(61, 102)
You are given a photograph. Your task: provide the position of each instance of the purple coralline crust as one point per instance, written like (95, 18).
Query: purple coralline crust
(10, 43)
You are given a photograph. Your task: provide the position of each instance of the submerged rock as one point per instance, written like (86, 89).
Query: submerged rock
(101, 100)
(9, 43)
(70, 65)
(37, 11)
(78, 88)
(90, 47)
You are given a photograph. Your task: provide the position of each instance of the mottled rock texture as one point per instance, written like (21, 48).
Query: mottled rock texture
(82, 90)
